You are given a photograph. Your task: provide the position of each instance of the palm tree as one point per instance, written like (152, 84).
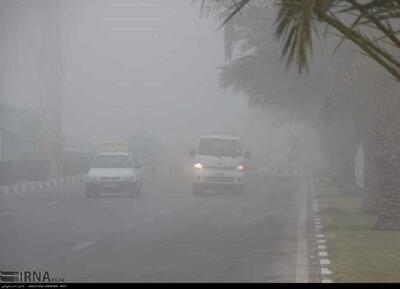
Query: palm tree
(369, 25)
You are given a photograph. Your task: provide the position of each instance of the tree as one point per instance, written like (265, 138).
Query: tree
(370, 26)
(383, 155)
(257, 73)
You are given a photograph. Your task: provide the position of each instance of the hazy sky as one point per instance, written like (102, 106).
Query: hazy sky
(134, 64)
(128, 65)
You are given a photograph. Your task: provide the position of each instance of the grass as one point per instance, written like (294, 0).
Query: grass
(358, 253)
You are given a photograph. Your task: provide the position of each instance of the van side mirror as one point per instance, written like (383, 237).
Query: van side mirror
(247, 155)
(192, 152)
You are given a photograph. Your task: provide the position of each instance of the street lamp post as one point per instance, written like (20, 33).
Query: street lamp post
(50, 68)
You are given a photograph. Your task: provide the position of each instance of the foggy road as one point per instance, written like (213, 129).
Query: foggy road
(294, 107)
(166, 235)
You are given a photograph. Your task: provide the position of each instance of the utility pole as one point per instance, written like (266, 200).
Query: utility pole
(50, 69)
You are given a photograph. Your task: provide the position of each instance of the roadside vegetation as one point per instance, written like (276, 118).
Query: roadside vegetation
(358, 252)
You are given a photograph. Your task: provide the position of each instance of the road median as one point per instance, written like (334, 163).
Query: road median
(33, 186)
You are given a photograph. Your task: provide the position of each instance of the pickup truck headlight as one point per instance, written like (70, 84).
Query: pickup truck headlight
(91, 179)
(198, 166)
(240, 168)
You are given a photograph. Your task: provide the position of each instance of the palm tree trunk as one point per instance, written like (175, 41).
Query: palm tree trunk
(339, 149)
(388, 206)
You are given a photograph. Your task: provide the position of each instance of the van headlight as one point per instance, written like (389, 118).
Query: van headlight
(240, 168)
(198, 166)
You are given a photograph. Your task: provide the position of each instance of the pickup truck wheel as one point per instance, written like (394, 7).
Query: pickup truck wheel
(138, 192)
(90, 193)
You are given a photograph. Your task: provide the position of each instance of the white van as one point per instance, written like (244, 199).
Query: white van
(219, 162)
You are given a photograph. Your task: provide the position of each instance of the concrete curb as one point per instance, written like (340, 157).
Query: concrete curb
(320, 241)
(41, 185)
(282, 172)
(302, 263)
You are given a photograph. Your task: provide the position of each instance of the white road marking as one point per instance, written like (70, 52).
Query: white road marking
(5, 214)
(321, 247)
(320, 236)
(321, 241)
(324, 262)
(326, 281)
(165, 212)
(82, 246)
(129, 225)
(302, 250)
(54, 202)
(325, 271)
(323, 254)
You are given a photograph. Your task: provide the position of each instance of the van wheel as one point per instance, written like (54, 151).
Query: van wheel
(135, 193)
(198, 190)
(238, 191)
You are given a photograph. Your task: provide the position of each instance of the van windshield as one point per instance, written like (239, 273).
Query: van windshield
(220, 147)
(113, 161)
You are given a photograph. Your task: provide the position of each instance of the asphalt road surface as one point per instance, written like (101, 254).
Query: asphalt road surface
(166, 235)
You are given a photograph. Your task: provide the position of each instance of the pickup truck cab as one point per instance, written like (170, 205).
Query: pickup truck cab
(219, 162)
(114, 172)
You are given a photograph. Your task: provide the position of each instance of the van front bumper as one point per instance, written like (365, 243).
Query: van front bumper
(218, 178)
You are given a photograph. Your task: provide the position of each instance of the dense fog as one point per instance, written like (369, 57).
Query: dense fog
(199, 140)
